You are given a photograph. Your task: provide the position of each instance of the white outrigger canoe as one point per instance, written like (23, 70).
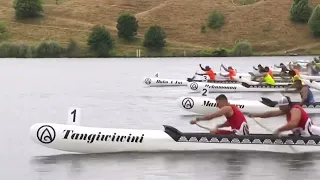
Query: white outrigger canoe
(86, 140)
(72, 137)
(243, 87)
(205, 105)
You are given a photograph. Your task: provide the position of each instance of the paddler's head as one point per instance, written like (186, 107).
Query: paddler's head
(285, 104)
(292, 73)
(207, 68)
(267, 68)
(298, 84)
(222, 101)
(230, 68)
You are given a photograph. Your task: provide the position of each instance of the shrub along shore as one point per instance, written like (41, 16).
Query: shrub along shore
(100, 42)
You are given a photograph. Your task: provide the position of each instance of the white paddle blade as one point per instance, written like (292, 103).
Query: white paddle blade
(74, 116)
(205, 92)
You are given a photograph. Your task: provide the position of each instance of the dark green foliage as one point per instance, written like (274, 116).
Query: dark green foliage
(100, 41)
(218, 52)
(215, 20)
(4, 34)
(314, 21)
(127, 26)
(242, 48)
(73, 49)
(16, 50)
(155, 37)
(27, 8)
(300, 11)
(49, 49)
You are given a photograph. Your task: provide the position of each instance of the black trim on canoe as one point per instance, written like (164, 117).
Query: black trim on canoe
(270, 139)
(263, 86)
(270, 103)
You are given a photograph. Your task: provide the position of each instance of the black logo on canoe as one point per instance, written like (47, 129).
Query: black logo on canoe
(46, 134)
(194, 86)
(147, 81)
(187, 103)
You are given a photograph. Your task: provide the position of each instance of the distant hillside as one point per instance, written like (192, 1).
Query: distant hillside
(265, 24)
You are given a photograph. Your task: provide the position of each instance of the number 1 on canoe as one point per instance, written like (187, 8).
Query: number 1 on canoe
(74, 116)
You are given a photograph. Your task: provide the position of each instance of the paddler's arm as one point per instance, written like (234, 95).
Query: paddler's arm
(223, 111)
(255, 68)
(224, 68)
(267, 114)
(304, 95)
(225, 124)
(201, 67)
(293, 123)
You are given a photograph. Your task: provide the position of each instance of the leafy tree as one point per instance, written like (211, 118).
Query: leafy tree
(155, 37)
(242, 48)
(27, 8)
(300, 11)
(314, 21)
(215, 20)
(100, 41)
(127, 26)
(48, 49)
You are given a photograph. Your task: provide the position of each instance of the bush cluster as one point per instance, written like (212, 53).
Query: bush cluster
(241, 48)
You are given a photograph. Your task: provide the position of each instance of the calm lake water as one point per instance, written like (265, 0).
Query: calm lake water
(110, 93)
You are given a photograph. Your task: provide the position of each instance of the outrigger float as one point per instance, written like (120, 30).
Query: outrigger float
(72, 137)
(205, 105)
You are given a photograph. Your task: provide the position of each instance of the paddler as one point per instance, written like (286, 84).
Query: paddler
(283, 67)
(305, 92)
(268, 70)
(259, 69)
(298, 121)
(267, 78)
(312, 71)
(232, 72)
(208, 71)
(234, 116)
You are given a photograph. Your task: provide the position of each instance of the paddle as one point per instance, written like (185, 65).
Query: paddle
(245, 84)
(266, 128)
(203, 127)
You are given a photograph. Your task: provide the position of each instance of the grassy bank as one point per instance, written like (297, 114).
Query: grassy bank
(263, 23)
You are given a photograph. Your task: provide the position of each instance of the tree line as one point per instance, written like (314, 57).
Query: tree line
(101, 43)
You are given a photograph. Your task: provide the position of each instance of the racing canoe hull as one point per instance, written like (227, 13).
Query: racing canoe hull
(80, 139)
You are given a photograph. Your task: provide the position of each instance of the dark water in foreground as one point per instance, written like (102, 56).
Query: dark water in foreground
(111, 94)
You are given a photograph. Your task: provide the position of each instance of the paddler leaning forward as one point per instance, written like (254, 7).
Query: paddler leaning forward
(234, 116)
(267, 78)
(298, 121)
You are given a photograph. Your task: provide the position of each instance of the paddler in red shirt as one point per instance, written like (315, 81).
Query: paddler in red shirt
(235, 118)
(232, 72)
(298, 121)
(208, 71)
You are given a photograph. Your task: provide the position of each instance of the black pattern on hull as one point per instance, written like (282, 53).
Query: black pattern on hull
(235, 139)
